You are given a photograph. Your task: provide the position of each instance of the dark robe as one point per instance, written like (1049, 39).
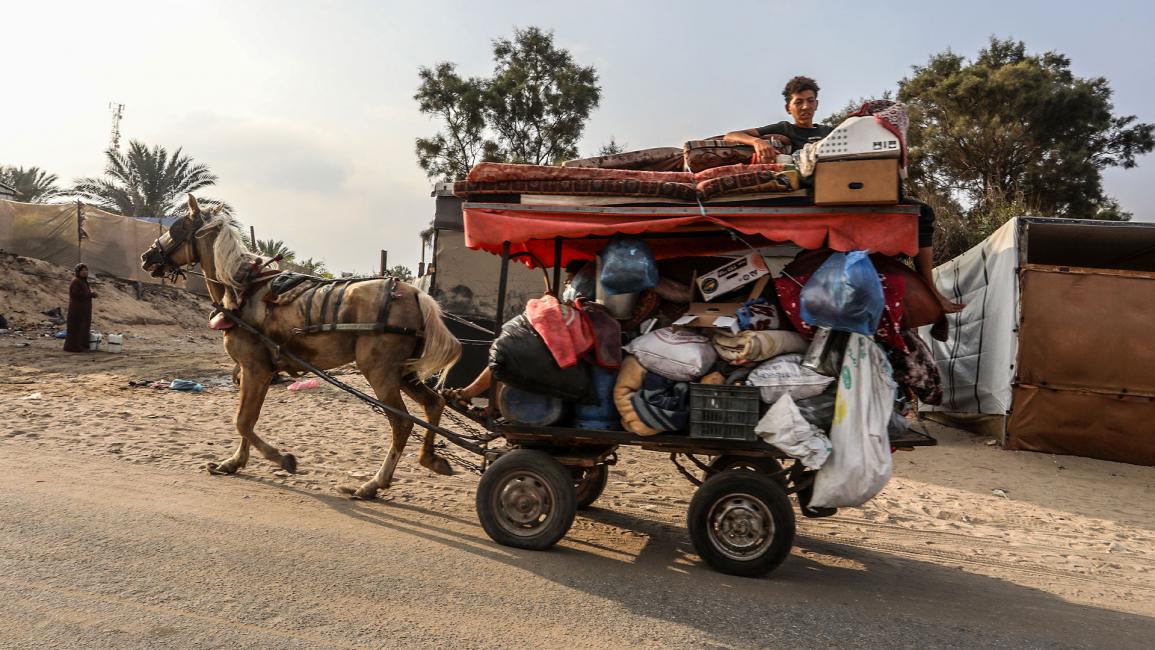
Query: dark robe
(79, 316)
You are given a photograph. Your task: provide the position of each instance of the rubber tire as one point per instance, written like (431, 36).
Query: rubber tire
(762, 488)
(590, 486)
(764, 465)
(558, 479)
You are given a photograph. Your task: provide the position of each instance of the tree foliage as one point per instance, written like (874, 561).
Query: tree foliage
(532, 109)
(402, 273)
(148, 183)
(1019, 132)
(32, 185)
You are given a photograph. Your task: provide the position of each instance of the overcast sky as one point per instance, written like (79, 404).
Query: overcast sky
(305, 109)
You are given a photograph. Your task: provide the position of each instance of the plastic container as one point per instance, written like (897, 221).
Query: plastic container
(94, 339)
(115, 343)
(529, 408)
(724, 412)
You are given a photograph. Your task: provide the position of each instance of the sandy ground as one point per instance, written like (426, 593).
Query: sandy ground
(112, 534)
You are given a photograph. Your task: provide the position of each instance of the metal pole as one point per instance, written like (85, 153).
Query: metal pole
(557, 267)
(502, 283)
(384, 262)
(253, 237)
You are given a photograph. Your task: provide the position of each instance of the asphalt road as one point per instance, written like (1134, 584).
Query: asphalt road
(107, 554)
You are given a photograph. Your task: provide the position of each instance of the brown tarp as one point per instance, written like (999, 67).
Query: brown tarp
(1085, 382)
(108, 243)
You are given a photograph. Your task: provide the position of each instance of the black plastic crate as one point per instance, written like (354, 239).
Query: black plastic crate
(724, 412)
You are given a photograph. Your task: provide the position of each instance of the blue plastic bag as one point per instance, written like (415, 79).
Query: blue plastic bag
(628, 266)
(844, 294)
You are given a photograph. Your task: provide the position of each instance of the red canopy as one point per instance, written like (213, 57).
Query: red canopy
(687, 231)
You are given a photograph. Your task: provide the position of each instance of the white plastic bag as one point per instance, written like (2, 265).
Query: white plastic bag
(784, 427)
(860, 464)
(677, 355)
(784, 375)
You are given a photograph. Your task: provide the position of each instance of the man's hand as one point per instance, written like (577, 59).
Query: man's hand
(764, 151)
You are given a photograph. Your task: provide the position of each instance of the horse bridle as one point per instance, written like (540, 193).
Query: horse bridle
(174, 270)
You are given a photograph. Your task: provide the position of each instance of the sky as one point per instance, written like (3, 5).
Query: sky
(305, 109)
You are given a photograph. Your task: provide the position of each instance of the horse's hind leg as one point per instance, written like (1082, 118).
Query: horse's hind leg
(433, 404)
(254, 386)
(382, 370)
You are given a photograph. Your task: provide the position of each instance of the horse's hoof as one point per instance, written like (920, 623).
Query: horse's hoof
(289, 463)
(437, 465)
(220, 469)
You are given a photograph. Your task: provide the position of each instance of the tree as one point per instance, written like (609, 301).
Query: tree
(533, 108)
(274, 247)
(32, 185)
(148, 183)
(1017, 132)
(308, 267)
(613, 147)
(400, 272)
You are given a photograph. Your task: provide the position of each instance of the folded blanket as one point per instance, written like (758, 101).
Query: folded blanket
(731, 170)
(660, 159)
(489, 172)
(704, 154)
(676, 191)
(750, 183)
(754, 346)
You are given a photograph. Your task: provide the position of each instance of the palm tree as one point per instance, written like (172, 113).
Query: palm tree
(148, 183)
(273, 248)
(32, 185)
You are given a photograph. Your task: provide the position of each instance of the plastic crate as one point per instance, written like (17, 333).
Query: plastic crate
(724, 412)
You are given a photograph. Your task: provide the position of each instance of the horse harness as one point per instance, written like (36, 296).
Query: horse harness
(333, 296)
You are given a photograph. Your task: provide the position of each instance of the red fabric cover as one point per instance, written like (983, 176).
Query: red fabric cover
(888, 233)
(565, 330)
(730, 170)
(490, 172)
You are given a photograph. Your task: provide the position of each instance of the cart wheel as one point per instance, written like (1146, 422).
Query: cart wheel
(525, 499)
(741, 523)
(590, 485)
(762, 465)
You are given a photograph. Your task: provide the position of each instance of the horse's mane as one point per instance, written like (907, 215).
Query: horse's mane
(230, 256)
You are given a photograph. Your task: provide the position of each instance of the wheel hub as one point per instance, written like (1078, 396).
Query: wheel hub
(525, 501)
(741, 527)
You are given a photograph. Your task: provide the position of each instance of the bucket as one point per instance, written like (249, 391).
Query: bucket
(94, 339)
(115, 343)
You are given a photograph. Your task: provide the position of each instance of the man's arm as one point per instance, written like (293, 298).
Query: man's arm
(762, 146)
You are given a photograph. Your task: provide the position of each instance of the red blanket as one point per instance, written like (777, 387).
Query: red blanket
(565, 330)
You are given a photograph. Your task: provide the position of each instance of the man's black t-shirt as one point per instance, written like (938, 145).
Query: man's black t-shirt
(798, 136)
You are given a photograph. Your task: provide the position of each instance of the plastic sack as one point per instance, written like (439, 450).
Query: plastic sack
(844, 294)
(784, 427)
(818, 410)
(785, 375)
(679, 355)
(628, 266)
(860, 464)
(583, 284)
(520, 358)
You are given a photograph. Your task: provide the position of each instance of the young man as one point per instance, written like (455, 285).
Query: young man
(801, 94)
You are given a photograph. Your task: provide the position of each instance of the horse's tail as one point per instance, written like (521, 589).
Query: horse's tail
(441, 350)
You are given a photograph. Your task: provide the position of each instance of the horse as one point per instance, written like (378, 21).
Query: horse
(407, 345)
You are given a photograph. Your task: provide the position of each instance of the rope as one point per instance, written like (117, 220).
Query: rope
(461, 320)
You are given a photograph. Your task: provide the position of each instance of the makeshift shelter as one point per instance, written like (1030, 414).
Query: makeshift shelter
(1053, 344)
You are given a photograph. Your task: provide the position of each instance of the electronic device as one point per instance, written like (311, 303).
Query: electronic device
(859, 137)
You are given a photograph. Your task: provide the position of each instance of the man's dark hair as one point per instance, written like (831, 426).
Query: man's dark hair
(797, 85)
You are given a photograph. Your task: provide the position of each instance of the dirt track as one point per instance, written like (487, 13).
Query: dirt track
(112, 535)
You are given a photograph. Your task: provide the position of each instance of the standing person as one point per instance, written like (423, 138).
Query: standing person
(80, 297)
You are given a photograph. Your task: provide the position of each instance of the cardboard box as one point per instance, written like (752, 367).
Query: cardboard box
(857, 182)
(732, 275)
(720, 315)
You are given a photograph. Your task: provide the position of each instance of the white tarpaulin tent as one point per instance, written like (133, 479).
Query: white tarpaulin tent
(1053, 342)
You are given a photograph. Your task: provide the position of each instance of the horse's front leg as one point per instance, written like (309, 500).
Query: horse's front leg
(254, 386)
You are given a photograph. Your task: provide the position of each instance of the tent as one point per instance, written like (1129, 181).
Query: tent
(1052, 345)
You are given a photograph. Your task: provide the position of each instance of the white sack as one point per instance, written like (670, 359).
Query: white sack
(677, 355)
(860, 464)
(784, 427)
(784, 375)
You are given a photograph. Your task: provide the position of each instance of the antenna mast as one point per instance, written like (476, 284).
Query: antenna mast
(117, 114)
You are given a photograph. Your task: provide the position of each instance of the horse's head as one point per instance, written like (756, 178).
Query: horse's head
(175, 249)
